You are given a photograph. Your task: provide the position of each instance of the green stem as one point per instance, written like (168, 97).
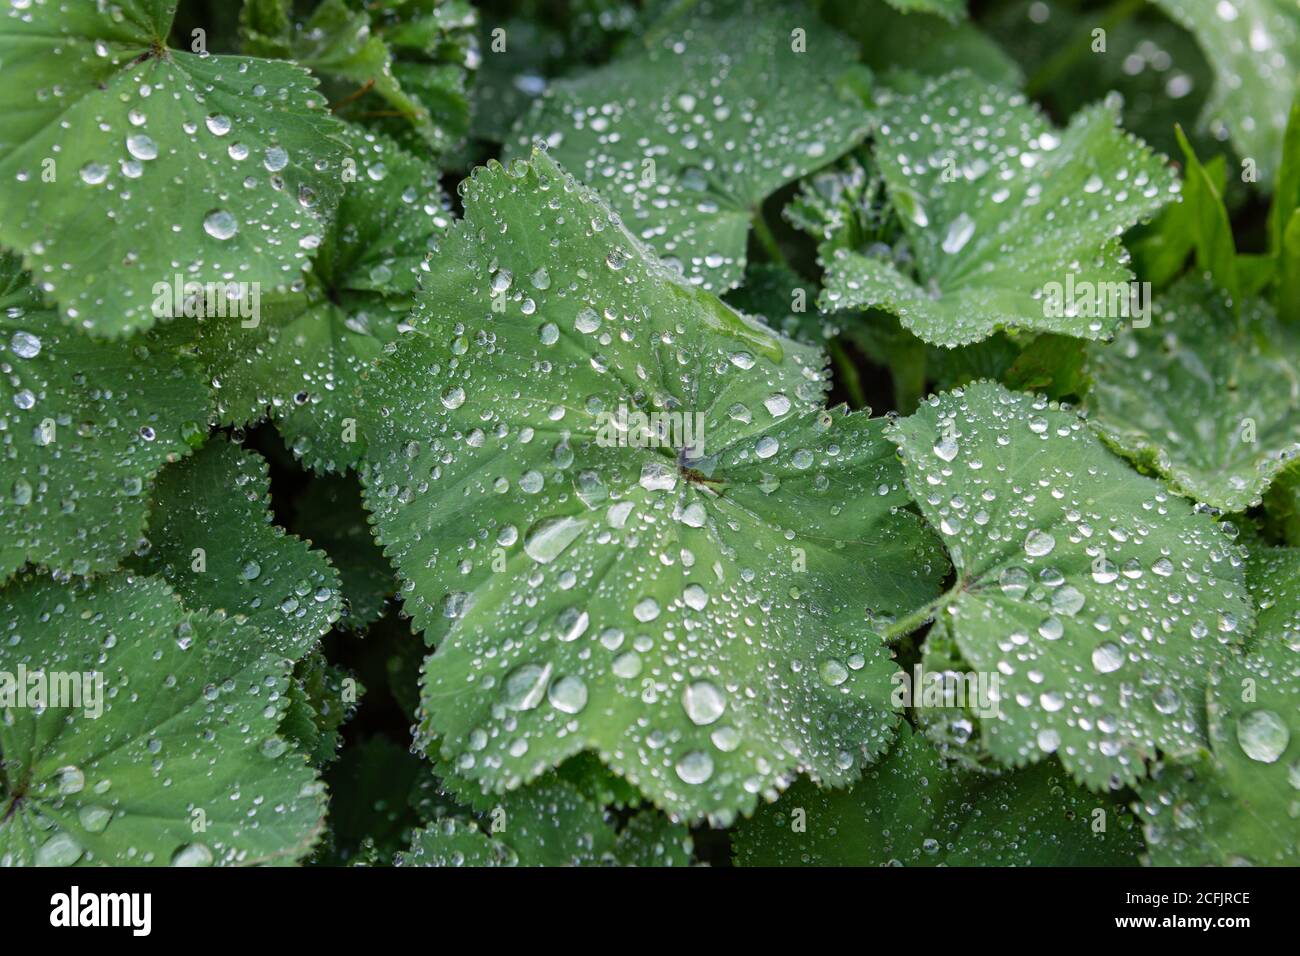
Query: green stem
(918, 617)
(1117, 14)
(766, 239)
(848, 373)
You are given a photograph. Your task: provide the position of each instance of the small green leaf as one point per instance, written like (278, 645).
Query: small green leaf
(686, 139)
(399, 66)
(322, 698)
(1209, 402)
(905, 50)
(914, 810)
(1216, 250)
(178, 760)
(548, 824)
(1254, 46)
(211, 537)
(329, 510)
(126, 164)
(998, 206)
(698, 611)
(1237, 805)
(84, 427)
(306, 356)
(1099, 599)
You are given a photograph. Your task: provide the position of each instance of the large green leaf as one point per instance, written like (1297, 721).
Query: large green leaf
(126, 164)
(211, 537)
(1097, 598)
(84, 427)
(699, 616)
(177, 758)
(397, 65)
(914, 810)
(1254, 46)
(1209, 401)
(306, 356)
(1238, 803)
(687, 137)
(549, 823)
(997, 205)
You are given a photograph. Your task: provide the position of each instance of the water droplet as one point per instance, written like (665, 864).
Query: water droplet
(703, 702)
(1263, 735)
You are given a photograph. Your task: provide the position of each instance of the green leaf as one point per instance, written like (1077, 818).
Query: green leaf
(370, 788)
(322, 698)
(844, 206)
(548, 824)
(307, 355)
(329, 510)
(178, 761)
(1282, 502)
(1254, 46)
(84, 427)
(126, 164)
(1161, 248)
(997, 206)
(697, 616)
(400, 66)
(1237, 804)
(1206, 401)
(952, 9)
(211, 537)
(1216, 250)
(905, 49)
(1098, 598)
(913, 809)
(685, 139)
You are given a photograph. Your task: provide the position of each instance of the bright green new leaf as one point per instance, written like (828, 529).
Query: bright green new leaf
(1007, 217)
(306, 356)
(1237, 805)
(1098, 599)
(322, 698)
(914, 810)
(1211, 229)
(1209, 401)
(1254, 46)
(126, 165)
(84, 427)
(691, 596)
(549, 824)
(211, 537)
(685, 139)
(168, 754)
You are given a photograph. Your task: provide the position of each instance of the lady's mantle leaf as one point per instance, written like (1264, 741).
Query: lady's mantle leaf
(126, 164)
(1099, 599)
(688, 137)
(1239, 803)
(211, 537)
(998, 205)
(696, 612)
(912, 809)
(549, 823)
(396, 64)
(182, 764)
(1210, 401)
(1254, 46)
(84, 427)
(305, 357)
